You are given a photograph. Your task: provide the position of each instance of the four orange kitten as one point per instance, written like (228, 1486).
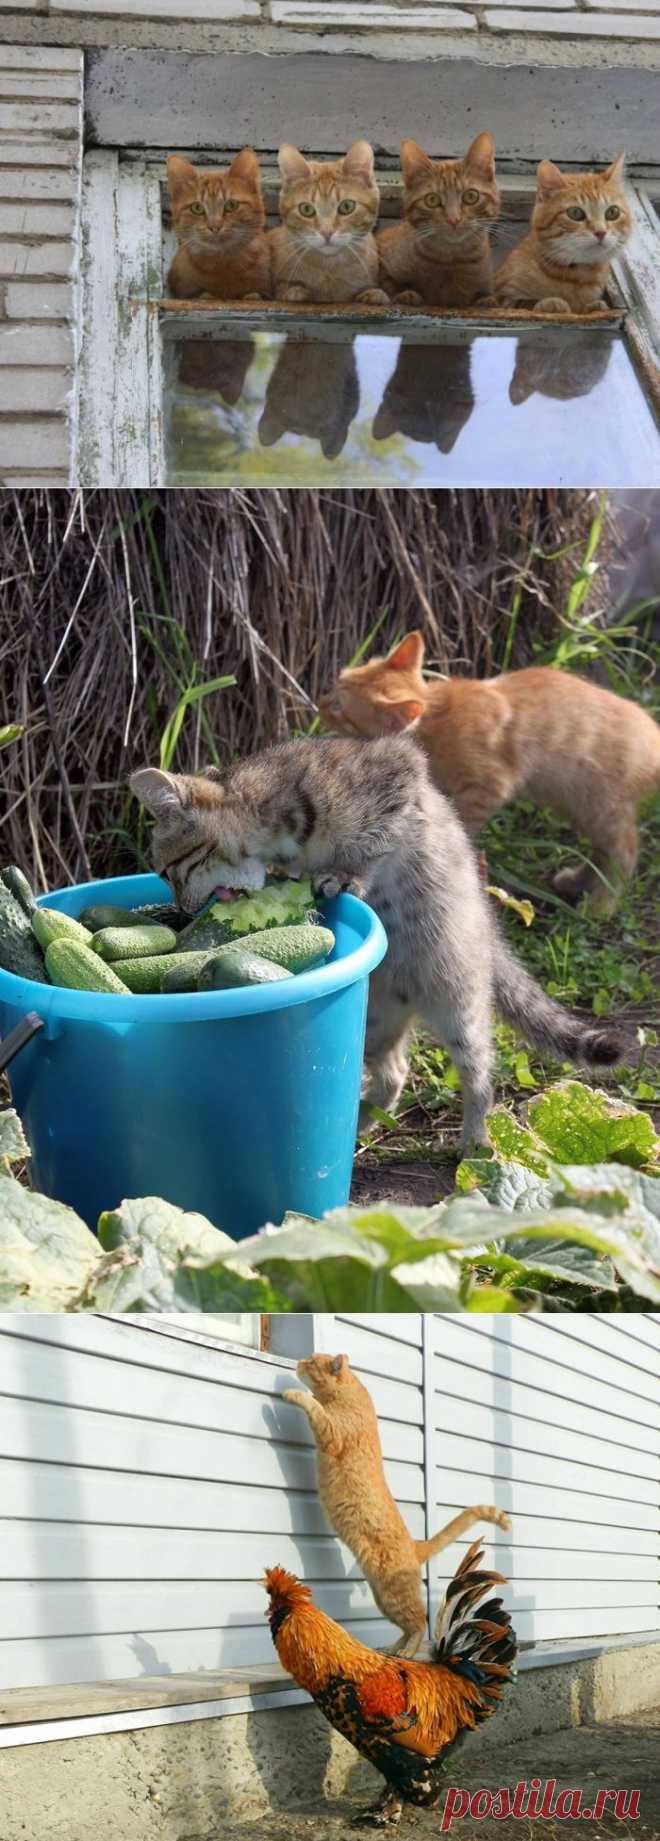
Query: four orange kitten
(325, 249)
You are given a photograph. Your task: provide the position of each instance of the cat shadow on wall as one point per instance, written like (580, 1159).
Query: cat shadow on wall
(429, 397)
(314, 391)
(216, 365)
(561, 368)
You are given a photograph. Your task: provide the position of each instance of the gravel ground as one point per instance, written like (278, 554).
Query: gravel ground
(619, 1754)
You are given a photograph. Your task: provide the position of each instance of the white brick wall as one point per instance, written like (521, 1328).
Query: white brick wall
(40, 159)
(580, 19)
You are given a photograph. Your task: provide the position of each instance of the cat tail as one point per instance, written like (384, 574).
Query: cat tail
(545, 1024)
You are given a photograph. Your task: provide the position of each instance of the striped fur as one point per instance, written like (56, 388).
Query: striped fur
(365, 815)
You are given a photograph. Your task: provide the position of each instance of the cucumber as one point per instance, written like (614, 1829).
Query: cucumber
(19, 952)
(73, 964)
(178, 971)
(281, 903)
(132, 942)
(152, 914)
(48, 925)
(296, 948)
(238, 965)
(19, 887)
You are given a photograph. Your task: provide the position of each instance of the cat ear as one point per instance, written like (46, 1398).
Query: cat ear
(181, 176)
(338, 1364)
(549, 179)
(292, 164)
(480, 156)
(246, 167)
(161, 793)
(616, 170)
(215, 774)
(409, 655)
(358, 163)
(397, 716)
(415, 163)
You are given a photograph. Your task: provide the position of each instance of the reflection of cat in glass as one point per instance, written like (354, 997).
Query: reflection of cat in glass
(429, 396)
(559, 367)
(216, 365)
(312, 391)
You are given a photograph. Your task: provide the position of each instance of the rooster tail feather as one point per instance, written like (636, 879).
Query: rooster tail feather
(472, 1639)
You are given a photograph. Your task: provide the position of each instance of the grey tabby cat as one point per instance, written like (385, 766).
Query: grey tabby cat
(363, 815)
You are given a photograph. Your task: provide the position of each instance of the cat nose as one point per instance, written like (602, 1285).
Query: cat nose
(453, 220)
(327, 235)
(600, 234)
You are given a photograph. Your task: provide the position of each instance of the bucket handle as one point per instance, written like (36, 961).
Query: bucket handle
(28, 1027)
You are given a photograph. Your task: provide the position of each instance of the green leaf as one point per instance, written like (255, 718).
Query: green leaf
(580, 1124)
(523, 909)
(172, 1230)
(10, 733)
(46, 1252)
(14, 1147)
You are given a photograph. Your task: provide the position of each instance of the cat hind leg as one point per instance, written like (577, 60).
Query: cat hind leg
(615, 852)
(466, 1034)
(389, 1025)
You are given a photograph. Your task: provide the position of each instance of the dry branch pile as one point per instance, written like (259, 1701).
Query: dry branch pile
(113, 603)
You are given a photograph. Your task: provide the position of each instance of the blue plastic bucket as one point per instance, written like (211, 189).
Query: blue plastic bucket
(238, 1104)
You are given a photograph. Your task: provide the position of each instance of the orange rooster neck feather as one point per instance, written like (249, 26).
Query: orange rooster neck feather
(284, 1588)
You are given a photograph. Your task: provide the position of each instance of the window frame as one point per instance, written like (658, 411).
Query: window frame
(127, 320)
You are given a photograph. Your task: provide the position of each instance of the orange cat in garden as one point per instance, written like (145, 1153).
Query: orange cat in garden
(219, 219)
(580, 222)
(358, 1501)
(534, 734)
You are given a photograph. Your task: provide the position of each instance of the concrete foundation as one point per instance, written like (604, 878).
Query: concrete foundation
(189, 1781)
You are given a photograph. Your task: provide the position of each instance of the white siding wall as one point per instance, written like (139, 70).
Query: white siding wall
(146, 1482)
(556, 1419)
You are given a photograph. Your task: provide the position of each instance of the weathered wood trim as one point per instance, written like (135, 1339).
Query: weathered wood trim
(638, 275)
(208, 316)
(120, 397)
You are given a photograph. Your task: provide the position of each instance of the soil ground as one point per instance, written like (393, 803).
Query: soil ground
(619, 1754)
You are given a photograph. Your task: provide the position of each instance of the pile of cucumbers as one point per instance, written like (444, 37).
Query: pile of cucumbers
(247, 940)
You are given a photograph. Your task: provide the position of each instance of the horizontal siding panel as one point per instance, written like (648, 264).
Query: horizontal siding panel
(464, 1487)
(63, 1660)
(372, 1353)
(49, 1491)
(531, 1467)
(113, 1441)
(523, 1415)
(552, 1339)
(628, 1345)
(37, 1372)
(406, 1326)
(486, 1374)
(66, 1608)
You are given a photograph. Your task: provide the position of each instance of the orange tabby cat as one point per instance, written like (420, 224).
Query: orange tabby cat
(219, 219)
(580, 222)
(358, 1501)
(441, 252)
(324, 249)
(535, 734)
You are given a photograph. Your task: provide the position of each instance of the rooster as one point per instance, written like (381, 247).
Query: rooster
(403, 1716)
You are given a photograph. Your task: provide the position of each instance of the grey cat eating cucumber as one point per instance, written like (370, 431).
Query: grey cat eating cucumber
(365, 816)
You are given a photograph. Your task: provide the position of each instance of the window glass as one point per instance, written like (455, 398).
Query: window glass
(357, 409)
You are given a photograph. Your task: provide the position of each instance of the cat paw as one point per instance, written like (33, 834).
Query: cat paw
(253, 296)
(408, 298)
(293, 1396)
(375, 297)
(325, 888)
(293, 293)
(500, 1519)
(552, 303)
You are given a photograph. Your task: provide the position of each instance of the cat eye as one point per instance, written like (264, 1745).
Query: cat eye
(471, 197)
(232, 204)
(196, 205)
(306, 209)
(347, 205)
(431, 198)
(612, 211)
(576, 212)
